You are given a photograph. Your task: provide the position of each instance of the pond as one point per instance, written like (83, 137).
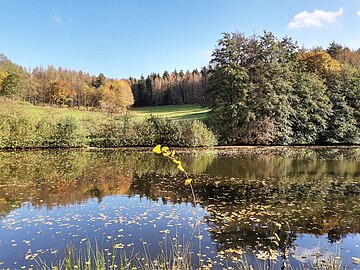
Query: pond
(295, 204)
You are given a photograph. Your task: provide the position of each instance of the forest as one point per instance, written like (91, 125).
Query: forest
(260, 89)
(78, 89)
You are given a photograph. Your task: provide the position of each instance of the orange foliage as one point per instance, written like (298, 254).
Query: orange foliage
(62, 94)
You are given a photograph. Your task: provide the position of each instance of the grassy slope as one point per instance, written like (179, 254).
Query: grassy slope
(179, 112)
(38, 111)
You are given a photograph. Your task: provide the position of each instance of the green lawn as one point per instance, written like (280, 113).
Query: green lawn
(178, 112)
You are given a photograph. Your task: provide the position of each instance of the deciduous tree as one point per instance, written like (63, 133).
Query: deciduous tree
(116, 96)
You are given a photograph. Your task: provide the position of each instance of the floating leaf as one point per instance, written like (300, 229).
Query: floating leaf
(157, 149)
(188, 181)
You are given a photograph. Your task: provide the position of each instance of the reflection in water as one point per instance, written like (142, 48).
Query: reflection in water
(254, 198)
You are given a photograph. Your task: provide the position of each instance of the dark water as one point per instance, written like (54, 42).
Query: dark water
(297, 204)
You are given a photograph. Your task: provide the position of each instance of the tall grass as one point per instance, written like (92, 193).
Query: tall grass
(175, 256)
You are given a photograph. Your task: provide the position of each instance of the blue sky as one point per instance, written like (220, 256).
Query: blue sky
(129, 38)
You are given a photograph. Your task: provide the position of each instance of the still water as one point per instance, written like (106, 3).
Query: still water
(295, 204)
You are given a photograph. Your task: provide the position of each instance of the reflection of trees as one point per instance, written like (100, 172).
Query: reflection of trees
(253, 215)
(250, 212)
(247, 196)
(59, 177)
(309, 163)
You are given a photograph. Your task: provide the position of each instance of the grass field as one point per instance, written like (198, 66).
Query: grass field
(178, 112)
(39, 111)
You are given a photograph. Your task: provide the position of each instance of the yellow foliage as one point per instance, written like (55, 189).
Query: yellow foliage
(177, 161)
(188, 181)
(116, 96)
(157, 149)
(321, 61)
(180, 167)
(3, 75)
(62, 93)
(165, 151)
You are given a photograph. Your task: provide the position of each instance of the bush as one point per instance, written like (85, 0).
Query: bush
(16, 129)
(117, 132)
(19, 129)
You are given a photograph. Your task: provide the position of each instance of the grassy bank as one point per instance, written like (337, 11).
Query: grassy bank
(27, 126)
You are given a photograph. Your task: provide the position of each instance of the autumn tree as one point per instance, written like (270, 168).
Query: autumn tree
(344, 54)
(116, 96)
(62, 93)
(11, 78)
(320, 61)
(99, 81)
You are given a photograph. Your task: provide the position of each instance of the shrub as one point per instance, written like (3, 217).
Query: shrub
(124, 131)
(16, 128)
(19, 129)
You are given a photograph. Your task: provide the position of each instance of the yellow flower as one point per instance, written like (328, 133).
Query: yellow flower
(157, 149)
(177, 161)
(188, 181)
(166, 154)
(173, 153)
(165, 149)
(180, 167)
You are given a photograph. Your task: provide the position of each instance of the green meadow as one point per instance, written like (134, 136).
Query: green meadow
(176, 112)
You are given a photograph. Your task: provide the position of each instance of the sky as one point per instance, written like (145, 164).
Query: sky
(123, 38)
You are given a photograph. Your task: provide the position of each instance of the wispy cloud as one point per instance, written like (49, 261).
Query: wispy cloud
(317, 18)
(57, 19)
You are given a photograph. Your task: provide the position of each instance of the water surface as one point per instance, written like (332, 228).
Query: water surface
(298, 203)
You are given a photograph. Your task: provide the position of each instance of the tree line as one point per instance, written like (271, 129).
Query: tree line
(261, 89)
(175, 88)
(265, 90)
(64, 87)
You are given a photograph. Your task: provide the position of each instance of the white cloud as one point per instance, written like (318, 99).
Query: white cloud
(317, 18)
(57, 19)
